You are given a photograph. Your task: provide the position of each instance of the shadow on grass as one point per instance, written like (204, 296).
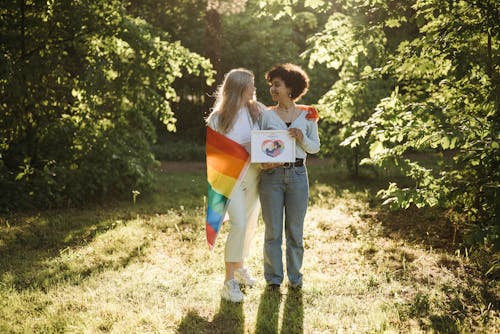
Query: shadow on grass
(444, 324)
(293, 314)
(268, 313)
(33, 249)
(418, 226)
(341, 180)
(228, 320)
(427, 226)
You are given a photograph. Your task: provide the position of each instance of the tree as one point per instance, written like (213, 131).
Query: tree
(81, 86)
(242, 38)
(418, 77)
(446, 100)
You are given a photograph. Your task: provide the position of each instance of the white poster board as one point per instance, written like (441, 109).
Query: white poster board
(272, 146)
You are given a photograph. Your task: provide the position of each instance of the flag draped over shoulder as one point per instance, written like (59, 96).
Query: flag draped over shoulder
(227, 162)
(312, 113)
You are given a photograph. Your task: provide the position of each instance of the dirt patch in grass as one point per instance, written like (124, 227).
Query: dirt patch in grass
(182, 166)
(427, 227)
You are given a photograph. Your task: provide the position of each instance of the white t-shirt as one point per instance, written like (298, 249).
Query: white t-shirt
(241, 132)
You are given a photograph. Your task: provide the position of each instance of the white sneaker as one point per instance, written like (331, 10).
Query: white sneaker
(231, 291)
(243, 277)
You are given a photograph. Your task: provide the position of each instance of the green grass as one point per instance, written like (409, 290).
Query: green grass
(145, 268)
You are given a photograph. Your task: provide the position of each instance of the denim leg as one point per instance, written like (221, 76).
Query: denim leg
(272, 196)
(296, 200)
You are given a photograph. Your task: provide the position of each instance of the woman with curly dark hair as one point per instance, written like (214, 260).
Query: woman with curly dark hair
(284, 188)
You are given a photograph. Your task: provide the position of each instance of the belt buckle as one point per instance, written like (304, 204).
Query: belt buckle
(288, 164)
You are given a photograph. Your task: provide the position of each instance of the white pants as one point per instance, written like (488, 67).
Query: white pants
(243, 211)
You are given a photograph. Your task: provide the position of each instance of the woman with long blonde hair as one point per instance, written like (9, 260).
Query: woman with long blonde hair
(235, 115)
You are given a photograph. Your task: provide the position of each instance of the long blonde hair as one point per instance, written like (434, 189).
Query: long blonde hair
(229, 98)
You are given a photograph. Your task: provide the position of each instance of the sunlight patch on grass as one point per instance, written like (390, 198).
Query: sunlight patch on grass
(147, 269)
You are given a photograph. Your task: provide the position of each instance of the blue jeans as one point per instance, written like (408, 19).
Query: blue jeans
(284, 193)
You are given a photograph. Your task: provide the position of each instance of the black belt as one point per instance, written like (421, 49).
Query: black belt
(297, 163)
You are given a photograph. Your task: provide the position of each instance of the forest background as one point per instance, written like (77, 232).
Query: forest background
(93, 94)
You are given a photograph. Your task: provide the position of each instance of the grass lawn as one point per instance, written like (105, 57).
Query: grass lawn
(146, 268)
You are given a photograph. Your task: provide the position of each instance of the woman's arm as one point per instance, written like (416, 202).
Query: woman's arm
(310, 142)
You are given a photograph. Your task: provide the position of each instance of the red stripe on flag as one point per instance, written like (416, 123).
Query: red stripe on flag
(211, 235)
(225, 144)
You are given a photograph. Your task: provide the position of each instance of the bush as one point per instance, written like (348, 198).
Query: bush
(179, 151)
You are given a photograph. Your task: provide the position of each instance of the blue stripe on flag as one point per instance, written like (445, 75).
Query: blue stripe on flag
(216, 202)
(214, 219)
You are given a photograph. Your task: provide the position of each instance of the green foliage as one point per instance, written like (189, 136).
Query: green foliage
(82, 85)
(414, 79)
(182, 20)
(179, 151)
(445, 99)
(354, 41)
(89, 90)
(246, 38)
(275, 39)
(253, 48)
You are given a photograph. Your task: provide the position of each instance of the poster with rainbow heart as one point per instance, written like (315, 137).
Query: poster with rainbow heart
(272, 146)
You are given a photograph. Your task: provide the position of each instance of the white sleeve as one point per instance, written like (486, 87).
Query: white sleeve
(311, 143)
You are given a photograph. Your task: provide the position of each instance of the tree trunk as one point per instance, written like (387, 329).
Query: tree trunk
(356, 161)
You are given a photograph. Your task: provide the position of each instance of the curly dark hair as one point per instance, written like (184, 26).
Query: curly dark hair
(294, 77)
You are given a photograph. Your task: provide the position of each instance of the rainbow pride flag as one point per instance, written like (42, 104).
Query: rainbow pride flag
(227, 162)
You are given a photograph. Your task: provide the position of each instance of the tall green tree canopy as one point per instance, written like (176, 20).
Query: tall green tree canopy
(85, 85)
(418, 76)
(81, 84)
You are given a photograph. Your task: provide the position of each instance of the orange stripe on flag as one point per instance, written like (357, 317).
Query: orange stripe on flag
(224, 162)
(225, 144)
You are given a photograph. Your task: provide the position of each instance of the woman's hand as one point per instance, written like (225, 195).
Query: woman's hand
(296, 133)
(255, 108)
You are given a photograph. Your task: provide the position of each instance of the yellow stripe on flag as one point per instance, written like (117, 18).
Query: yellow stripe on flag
(221, 183)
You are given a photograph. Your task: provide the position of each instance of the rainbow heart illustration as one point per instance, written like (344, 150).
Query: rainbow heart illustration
(273, 147)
